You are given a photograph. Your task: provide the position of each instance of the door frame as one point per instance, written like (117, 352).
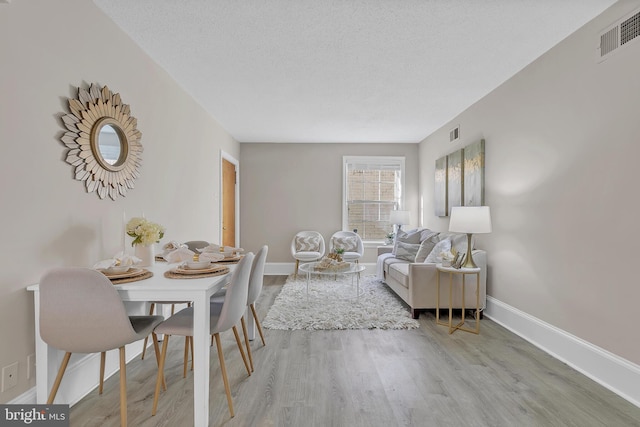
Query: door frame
(228, 157)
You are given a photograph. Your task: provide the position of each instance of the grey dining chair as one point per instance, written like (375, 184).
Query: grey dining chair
(222, 317)
(194, 245)
(81, 312)
(256, 280)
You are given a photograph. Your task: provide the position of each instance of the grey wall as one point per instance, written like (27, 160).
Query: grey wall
(562, 149)
(286, 188)
(47, 49)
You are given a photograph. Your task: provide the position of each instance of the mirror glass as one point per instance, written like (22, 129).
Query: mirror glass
(109, 144)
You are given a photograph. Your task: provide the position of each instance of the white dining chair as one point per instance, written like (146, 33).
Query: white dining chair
(223, 317)
(307, 246)
(81, 312)
(256, 280)
(350, 242)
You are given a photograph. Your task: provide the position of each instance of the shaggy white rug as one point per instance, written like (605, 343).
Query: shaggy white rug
(332, 304)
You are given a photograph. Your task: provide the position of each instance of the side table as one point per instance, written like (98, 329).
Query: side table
(464, 272)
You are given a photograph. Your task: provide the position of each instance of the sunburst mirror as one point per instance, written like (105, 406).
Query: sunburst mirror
(103, 142)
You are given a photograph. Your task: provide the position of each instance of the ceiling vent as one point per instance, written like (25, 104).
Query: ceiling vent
(619, 35)
(454, 134)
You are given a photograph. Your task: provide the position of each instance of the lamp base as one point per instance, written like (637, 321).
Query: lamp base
(468, 259)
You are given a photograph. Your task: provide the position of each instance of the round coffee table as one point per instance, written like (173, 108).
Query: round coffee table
(354, 270)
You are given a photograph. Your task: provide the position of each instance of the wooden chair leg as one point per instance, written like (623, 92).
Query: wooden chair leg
(185, 363)
(157, 352)
(144, 346)
(160, 377)
(246, 342)
(56, 384)
(255, 316)
(123, 388)
(103, 356)
(223, 369)
(295, 273)
(191, 345)
(244, 357)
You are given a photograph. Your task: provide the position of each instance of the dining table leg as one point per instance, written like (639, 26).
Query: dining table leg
(201, 360)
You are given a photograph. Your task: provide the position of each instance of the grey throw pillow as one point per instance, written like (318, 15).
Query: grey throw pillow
(426, 247)
(412, 237)
(407, 251)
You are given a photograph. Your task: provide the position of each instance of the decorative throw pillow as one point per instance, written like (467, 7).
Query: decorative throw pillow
(307, 244)
(436, 253)
(348, 243)
(407, 251)
(412, 237)
(458, 240)
(426, 247)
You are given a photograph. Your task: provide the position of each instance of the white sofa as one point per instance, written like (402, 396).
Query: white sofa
(415, 282)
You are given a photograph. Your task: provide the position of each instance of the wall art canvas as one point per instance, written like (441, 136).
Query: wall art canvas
(440, 190)
(454, 179)
(473, 168)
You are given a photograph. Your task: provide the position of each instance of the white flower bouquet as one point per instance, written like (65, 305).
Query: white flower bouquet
(144, 232)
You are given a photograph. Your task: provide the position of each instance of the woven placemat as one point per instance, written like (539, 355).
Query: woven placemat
(234, 260)
(173, 275)
(136, 278)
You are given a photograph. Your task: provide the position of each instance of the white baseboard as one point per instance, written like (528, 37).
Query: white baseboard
(286, 268)
(613, 372)
(81, 376)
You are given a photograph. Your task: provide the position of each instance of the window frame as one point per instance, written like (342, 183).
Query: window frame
(371, 161)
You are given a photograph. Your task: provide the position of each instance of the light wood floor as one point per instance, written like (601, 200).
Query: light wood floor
(421, 377)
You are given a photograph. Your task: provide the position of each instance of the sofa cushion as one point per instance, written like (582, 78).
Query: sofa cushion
(399, 271)
(412, 237)
(426, 247)
(407, 251)
(392, 260)
(435, 256)
(458, 240)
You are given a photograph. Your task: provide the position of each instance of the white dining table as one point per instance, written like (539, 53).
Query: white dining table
(156, 288)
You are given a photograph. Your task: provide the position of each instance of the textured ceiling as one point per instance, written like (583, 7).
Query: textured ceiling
(344, 70)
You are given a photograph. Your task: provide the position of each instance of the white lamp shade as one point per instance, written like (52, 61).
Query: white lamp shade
(399, 217)
(470, 219)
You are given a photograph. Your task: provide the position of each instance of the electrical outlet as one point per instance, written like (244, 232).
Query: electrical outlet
(31, 366)
(9, 376)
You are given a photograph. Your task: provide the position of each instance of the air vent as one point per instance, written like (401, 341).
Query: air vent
(619, 35)
(454, 134)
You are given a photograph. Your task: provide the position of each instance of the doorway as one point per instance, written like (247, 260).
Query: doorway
(229, 211)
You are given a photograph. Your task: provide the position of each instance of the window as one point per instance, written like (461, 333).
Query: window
(372, 189)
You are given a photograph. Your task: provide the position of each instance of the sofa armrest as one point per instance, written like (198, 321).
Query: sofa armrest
(385, 249)
(422, 283)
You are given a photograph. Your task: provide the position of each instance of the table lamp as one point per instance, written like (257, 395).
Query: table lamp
(399, 218)
(470, 219)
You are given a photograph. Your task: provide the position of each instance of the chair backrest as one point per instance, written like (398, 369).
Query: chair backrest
(235, 300)
(196, 244)
(356, 236)
(81, 312)
(307, 234)
(257, 275)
